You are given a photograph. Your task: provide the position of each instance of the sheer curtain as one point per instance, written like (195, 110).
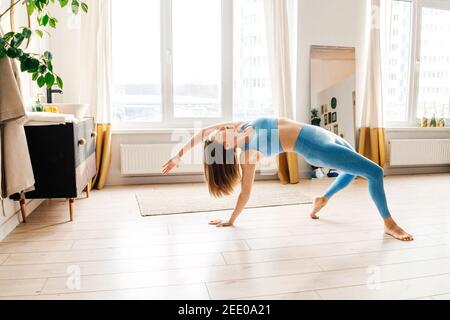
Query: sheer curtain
(372, 133)
(96, 79)
(278, 36)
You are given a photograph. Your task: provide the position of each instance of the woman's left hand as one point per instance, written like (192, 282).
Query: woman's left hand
(172, 163)
(221, 223)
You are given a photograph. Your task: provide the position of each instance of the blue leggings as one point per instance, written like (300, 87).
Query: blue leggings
(321, 148)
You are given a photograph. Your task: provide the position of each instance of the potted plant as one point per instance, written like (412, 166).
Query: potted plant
(14, 44)
(315, 118)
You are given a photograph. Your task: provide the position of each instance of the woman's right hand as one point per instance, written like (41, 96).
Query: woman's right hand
(221, 223)
(172, 163)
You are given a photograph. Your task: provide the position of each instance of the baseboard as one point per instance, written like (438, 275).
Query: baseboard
(389, 171)
(184, 178)
(170, 179)
(15, 219)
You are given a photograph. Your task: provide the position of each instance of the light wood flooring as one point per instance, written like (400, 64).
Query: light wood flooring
(111, 252)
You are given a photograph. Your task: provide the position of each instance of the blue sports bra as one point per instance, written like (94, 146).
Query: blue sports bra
(266, 138)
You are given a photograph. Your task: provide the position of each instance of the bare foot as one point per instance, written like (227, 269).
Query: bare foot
(318, 204)
(392, 229)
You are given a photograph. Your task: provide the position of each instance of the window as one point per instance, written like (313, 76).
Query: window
(137, 73)
(197, 58)
(397, 99)
(419, 62)
(191, 60)
(434, 80)
(251, 85)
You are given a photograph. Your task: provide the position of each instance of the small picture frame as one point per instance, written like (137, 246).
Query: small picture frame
(334, 117)
(336, 129)
(322, 109)
(333, 103)
(329, 118)
(325, 118)
(325, 108)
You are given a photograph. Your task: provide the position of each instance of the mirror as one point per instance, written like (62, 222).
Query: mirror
(333, 95)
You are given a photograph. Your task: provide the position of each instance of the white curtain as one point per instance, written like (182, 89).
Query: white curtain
(372, 142)
(377, 60)
(278, 36)
(96, 80)
(95, 60)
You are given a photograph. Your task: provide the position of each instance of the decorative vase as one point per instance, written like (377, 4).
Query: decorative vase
(433, 121)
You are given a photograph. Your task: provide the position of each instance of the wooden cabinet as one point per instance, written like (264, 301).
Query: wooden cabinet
(63, 160)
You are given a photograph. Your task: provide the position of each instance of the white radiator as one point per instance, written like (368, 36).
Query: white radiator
(147, 159)
(416, 152)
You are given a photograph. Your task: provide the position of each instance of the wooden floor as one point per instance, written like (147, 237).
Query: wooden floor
(111, 252)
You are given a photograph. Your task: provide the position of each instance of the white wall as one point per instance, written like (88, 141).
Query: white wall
(330, 23)
(325, 73)
(65, 46)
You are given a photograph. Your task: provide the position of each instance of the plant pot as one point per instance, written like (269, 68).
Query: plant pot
(316, 122)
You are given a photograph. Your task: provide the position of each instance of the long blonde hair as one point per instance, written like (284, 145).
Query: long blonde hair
(221, 168)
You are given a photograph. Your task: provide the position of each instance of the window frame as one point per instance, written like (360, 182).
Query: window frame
(167, 93)
(414, 72)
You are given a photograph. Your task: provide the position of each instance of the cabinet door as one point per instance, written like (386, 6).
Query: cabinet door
(85, 164)
(84, 141)
(52, 157)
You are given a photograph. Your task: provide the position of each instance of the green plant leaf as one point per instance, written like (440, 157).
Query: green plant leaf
(8, 36)
(13, 53)
(39, 33)
(49, 79)
(44, 20)
(33, 65)
(23, 65)
(52, 22)
(63, 3)
(41, 81)
(84, 7)
(75, 7)
(49, 66)
(26, 32)
(42, 69)
(17, 40)
(30, 7)
(60, 83)
(48, 55)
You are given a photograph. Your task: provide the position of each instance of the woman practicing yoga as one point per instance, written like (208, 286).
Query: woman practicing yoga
(224, 169)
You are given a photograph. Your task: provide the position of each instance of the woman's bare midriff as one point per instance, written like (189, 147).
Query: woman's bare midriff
(288, 131)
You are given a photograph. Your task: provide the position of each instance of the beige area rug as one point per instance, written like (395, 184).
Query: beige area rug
(188, 198)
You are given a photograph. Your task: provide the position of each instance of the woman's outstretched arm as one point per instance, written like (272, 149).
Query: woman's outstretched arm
(198, 138)
(248, 177)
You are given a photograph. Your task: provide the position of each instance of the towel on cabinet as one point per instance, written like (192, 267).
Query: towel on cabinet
(16, 174)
